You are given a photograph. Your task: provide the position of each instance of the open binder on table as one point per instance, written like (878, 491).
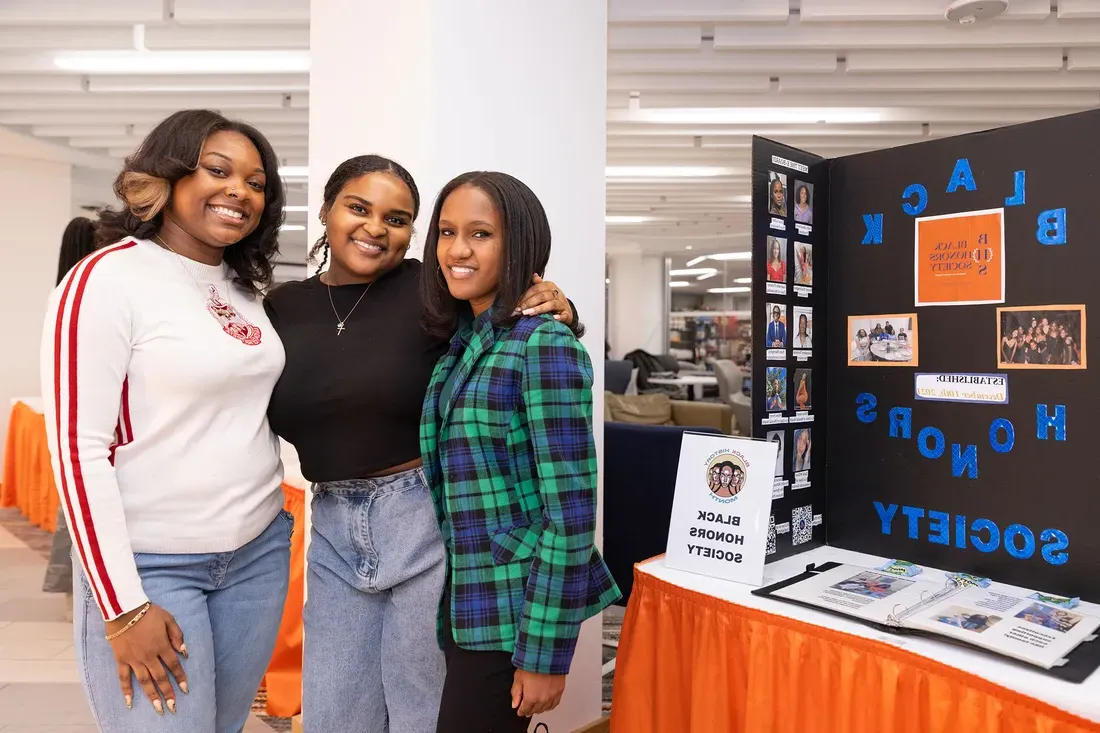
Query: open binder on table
(1047, 632)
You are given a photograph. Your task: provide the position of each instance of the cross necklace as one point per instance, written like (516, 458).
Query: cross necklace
(341, 320)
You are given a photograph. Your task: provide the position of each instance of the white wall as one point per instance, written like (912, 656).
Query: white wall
(636, 303)
(35, 202)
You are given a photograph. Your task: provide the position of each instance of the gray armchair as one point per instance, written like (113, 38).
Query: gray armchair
(730, 376)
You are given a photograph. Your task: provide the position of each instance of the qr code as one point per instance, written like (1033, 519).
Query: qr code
(771, 536)
(802, 524)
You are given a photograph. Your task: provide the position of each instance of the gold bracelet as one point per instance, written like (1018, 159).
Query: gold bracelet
(144, 610)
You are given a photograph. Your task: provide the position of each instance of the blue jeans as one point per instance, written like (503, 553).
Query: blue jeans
(374, 581)
(229, 606)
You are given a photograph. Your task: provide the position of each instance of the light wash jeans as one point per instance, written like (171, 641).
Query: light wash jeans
(375, 578)
(229, 606)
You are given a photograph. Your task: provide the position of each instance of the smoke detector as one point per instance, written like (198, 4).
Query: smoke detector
(966, 12)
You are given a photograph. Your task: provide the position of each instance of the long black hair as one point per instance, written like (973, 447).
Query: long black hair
(353, 169)
(171, 152)
(77, 242)
(526, 250)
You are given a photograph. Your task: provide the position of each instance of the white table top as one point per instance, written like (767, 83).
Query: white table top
(1080, 699)
(705, 380)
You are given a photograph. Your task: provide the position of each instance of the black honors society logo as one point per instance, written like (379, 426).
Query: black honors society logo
(727, 472)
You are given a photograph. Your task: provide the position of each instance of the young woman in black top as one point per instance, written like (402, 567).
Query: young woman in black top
(358, 363)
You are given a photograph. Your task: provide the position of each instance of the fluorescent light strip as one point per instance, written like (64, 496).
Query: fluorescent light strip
(295, 209)
(670, 171)
(184, 62)
(707, 276)
(694, 271)
(696, 261)
(729, 290)
(292, 228)
(743, 280)
(678, 284)
(615, 219)
(728, 256)
(294, 171)
(754, 115)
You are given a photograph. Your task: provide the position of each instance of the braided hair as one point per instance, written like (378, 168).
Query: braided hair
(348, 171)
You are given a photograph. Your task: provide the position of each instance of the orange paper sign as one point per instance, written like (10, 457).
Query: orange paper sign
(960, 258)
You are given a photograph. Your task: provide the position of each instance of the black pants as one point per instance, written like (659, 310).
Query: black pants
(477, 695)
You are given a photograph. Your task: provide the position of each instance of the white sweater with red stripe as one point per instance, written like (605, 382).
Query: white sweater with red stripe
(156, 390)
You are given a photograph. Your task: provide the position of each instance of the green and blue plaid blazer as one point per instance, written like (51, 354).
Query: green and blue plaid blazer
(511, 462)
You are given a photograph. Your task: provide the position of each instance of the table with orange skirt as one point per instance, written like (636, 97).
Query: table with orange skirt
(28, 485)
(700, 655)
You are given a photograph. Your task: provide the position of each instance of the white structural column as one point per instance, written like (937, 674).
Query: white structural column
(448, 86)
(637, 307)
(35, 185)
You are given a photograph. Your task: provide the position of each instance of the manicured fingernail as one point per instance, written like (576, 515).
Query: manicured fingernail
(172, 706)
(129, 702)
(183, 686)
(183, 650)
(158, 707)
(528, 311)
(557, 318)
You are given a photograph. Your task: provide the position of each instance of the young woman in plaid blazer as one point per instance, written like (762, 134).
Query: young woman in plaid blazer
(509, 455)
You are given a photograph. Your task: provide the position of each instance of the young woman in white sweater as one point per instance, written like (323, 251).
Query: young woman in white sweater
(158, 362)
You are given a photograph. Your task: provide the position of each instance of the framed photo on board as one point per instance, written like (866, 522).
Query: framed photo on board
(1041, 337)
(883, 340)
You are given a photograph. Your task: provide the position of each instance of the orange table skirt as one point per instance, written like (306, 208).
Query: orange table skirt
(690, 663)
(27, 482)
(28, 485)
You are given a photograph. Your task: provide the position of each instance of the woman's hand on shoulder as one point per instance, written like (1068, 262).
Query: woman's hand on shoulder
(148, 650)
(533, 693)
(545, 297)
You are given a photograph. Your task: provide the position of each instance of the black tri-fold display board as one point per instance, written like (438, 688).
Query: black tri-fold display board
(920, 351)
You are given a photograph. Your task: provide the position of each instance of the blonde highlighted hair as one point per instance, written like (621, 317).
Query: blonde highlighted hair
(145, 195)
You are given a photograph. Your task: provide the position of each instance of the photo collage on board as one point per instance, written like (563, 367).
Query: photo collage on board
(788, 417)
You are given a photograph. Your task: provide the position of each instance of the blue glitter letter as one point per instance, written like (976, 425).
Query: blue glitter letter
(967, 461)
(962, 177)
(886, 515)
(1052, 552)
(939, 529)
(901, 417)
(994, 535)
(1018, 530)
(914, 513)
(1017, 198)
(1010, 435)
(936, 449)
(1052, 227)
(865, 407)
(873, 222)
(915, 189)
(1044, 422)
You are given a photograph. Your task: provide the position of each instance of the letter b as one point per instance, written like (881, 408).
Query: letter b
(1052, 227)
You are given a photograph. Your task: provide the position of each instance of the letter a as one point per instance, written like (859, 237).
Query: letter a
(962, 177)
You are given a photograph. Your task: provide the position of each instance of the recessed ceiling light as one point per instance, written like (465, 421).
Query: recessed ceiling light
(688, 247)
(729, 290)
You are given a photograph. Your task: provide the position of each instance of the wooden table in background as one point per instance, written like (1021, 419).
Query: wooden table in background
(28, 485)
